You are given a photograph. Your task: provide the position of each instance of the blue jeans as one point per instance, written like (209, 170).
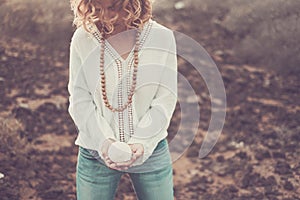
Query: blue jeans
(95, 181)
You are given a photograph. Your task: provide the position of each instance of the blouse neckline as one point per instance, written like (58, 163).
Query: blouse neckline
(113, 52)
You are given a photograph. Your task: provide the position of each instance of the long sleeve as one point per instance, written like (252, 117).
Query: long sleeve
(93, 127)
(152, 127)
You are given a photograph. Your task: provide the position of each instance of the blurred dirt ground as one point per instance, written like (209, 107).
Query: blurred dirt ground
(256, 157)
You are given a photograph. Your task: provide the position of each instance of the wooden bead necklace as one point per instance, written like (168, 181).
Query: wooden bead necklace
(120, 108)
(99, 36)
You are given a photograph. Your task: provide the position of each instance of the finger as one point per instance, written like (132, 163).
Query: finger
(107, 163)
(112, 165)
(104, 153)
(121, 168)
(108, 160)
(118, 168)
(124, 168)
(125, 164)
(138, 153)
(133, 148)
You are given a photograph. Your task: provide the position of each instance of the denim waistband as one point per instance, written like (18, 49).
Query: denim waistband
(161, 144)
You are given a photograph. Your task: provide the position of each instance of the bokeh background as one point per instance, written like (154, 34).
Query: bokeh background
(255, 45)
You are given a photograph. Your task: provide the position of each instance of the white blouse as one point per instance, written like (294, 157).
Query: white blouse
(154, 99)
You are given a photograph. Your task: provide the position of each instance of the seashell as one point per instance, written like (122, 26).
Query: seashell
(119, 152)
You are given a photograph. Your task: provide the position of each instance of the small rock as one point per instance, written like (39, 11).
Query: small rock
(271, 181)
(179, 5)
(242, 155)
(1, 175)
(278, 155)
(209, 180)
(232, 188)
(272, 193)
(220, 169)
(260, 155)
(219, 53)
(250, 179)
(195, 179)
(217, 101)
(283, 168)
(192, 99)
(237, 145)
(220, 158)
(245, 181)
(269, 190)
(4, 58)
(288, 186)
(23, 105)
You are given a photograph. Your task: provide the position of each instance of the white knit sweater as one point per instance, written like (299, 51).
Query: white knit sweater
(154, 99)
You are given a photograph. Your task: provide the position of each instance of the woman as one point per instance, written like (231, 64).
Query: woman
(123, 87)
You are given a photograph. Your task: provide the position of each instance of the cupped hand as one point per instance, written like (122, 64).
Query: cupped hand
(137, 151)
(104, 150)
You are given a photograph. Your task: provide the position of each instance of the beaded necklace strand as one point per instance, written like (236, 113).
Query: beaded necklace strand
(130, 88)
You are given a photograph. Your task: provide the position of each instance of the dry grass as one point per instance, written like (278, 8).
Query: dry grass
(46, 22)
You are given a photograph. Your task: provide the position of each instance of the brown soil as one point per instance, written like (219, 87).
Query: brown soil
(257, 156)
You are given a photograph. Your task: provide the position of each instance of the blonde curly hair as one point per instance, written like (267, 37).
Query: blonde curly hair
(90, 11)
